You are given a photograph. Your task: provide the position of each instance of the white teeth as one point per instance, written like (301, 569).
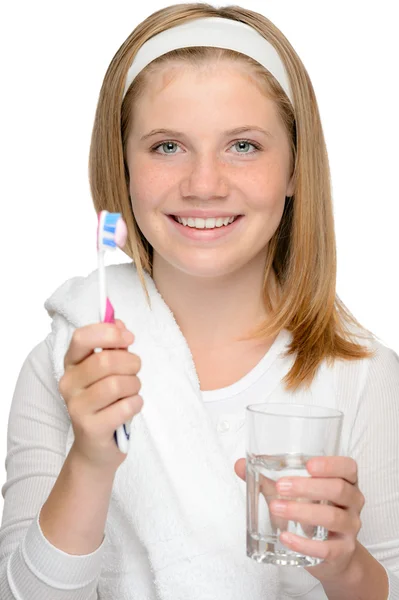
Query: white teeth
(197, 223)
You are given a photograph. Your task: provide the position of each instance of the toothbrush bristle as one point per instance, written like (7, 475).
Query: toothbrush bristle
(108, 242)
(109, 230)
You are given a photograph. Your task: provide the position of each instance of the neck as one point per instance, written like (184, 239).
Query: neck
(217, 310)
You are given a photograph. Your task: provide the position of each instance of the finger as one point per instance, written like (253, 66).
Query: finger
(261, 504)
(99, 396)
(267, 486)
(268, 490)
(308, 530)
(332, 518)
(335, 490)
(240, 468)
(343, 467)
(98, 366)
(97, 335)
(328, 550)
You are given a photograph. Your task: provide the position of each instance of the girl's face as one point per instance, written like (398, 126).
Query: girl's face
(199, 168)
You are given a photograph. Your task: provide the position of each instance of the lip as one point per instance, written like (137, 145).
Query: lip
(205, 234)
(202, 214)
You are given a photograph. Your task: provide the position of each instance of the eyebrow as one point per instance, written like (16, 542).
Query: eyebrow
(229, 132)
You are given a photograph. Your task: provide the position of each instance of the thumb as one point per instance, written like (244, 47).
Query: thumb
(120, 324)
(239, 468)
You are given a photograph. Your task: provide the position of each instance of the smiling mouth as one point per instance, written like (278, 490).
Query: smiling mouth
(208, 223)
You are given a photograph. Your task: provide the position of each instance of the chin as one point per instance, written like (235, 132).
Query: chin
(206, 269)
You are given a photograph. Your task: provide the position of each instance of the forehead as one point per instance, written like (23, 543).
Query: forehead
(173, 71)
(218, 84)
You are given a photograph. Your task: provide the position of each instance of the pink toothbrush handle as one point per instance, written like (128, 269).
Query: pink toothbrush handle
(121, 440)
(109, 313)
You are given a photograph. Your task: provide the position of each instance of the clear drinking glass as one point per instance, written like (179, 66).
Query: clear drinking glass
(280, 439)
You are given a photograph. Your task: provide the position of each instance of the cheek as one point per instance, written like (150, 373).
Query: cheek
(264, 187)
(146, 188)
(146, 179)
(146, 219)
(269, 204)
(145, 191)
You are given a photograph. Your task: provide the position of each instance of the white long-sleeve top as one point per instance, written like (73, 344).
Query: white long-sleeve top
(31, 568)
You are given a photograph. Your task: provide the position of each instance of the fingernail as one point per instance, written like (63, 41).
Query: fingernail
(285, 485)
(278, 507)
(286, 537)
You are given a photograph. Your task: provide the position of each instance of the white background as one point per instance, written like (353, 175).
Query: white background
(53, 60)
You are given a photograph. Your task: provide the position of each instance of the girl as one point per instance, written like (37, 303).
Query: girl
(215, 156)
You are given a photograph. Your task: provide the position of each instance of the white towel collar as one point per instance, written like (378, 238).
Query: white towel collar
(175, 490)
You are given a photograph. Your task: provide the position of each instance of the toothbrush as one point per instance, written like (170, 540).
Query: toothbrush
(111, 232)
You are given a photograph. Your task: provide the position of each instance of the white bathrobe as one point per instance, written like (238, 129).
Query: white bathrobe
(176, 526)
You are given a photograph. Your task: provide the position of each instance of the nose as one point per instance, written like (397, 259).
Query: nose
(206, 179)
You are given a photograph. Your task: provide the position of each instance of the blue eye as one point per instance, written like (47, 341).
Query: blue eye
(170, 143)
(163, 144)
(247, 142)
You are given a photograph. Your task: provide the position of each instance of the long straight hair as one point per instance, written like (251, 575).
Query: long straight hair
(302, 252)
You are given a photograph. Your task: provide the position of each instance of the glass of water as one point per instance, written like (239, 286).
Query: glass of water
(280, 439)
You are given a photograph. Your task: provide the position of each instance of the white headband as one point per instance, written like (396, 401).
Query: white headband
(212, 31)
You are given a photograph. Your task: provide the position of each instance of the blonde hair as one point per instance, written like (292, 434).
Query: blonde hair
(302, 252)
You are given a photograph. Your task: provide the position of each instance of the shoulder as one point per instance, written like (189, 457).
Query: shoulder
(366, 391)
(374, 431)
(76, 299)
(382, 370)
(366, 384)
(369, 386)
(87, 283)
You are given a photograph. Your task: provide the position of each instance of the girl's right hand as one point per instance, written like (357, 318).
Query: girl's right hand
(100, 390)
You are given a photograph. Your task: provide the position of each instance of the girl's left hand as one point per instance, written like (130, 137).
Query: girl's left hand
(333, 478)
